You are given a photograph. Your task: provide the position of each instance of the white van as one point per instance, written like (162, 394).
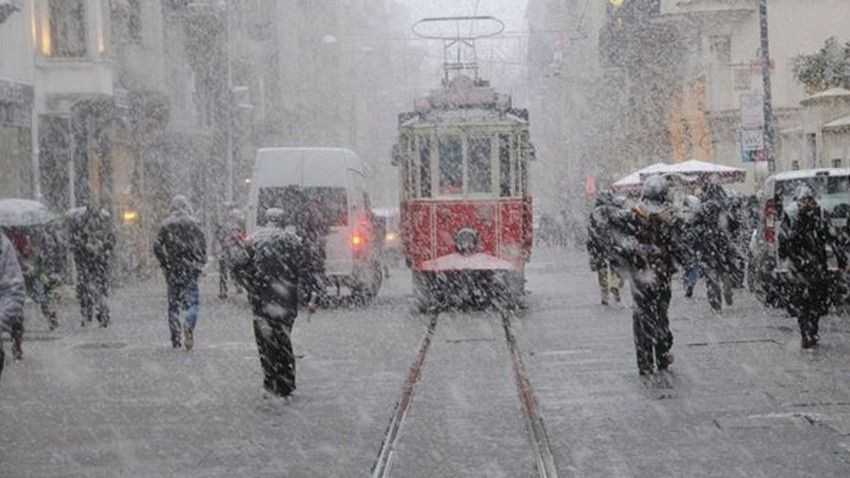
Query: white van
(333, 179)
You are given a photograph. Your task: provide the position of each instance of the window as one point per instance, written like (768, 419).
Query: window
(134, 20)
(505, 165)
(451, 165)
(67, 28)
(519, 158)
(424, 166)
(480, 166)
(812, 142)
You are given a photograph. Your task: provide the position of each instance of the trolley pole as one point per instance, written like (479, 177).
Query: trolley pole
(229, 96)
(768, 96)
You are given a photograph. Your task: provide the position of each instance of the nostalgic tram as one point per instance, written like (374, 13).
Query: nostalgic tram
(466, 209)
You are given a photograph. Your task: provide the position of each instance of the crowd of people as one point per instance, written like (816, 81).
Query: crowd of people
(274, 266)
(705, 237)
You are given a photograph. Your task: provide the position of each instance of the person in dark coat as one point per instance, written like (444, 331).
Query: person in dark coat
(804, 240)
(92, 241)
(270, 266)
(181, 250)
(691, 245)
(11, 296)
(715, 228)
(650, 249)
(229, 235)
(600, 246)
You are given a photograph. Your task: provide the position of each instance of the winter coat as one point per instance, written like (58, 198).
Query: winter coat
(600, 242)
(804, 240)
(180, 247)
(652, 242)
(230, 233)
(712, 235)
(269, 266)
(11, 285)
(91, 236)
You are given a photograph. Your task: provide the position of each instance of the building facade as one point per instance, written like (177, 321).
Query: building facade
(18, 173)
(704, 56)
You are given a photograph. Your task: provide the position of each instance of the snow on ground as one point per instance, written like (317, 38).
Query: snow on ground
(742, 399)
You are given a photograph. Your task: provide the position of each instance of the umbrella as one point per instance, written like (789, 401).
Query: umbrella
(703, 170)
(633, 182)
(23, 212)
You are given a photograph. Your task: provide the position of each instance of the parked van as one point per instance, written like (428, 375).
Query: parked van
(333, 182)
(766, 269)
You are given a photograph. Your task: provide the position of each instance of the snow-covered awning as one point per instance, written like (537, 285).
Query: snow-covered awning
(840, 124)
(23, 212)
(832, 93)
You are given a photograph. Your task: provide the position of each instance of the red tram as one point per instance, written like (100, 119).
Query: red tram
(466, 208)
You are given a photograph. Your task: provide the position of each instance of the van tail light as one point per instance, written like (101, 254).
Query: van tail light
(770, 221)
(359, 245)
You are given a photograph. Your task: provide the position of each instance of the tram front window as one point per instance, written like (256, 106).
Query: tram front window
(479, 165)
(451, 166)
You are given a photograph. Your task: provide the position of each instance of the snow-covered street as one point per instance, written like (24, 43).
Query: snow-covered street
(741, 399)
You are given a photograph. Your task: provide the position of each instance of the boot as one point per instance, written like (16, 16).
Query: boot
(17, 343)
(616, 293)
(644, 366)
(188, 338)
(808, 340)
(728, 296)
(665, 360)
(52, 321)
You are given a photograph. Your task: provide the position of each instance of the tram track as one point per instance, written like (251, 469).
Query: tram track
(536, 431)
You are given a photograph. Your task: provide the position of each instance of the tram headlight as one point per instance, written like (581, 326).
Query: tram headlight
(466, 241)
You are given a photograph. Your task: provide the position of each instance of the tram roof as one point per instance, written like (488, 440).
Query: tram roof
(463, 101)
(463, 117)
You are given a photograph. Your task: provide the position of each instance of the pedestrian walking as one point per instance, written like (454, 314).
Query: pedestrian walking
(269, 267)
(806, 240)
(600, 246)
(181, 250)
(92, 242)
(229, 234)
(34, 247)
(312, 227)
(651, 249)
(715, 228)
(691, 245)
(11, 298)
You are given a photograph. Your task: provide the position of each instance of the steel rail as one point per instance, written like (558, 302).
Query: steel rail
(382, 464)
(544, 460)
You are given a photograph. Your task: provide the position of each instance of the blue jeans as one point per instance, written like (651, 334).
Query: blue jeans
(692, 273)
(182, 298)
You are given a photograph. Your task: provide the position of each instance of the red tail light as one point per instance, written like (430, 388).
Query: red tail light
(769, 221)
(357, 240)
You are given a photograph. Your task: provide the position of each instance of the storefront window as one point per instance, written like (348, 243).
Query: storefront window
(67, 28)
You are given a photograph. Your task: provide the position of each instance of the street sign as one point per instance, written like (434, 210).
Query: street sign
(752, 111)
(752, 139)
(752, 145)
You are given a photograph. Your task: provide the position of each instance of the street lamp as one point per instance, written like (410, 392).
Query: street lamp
(768, 96)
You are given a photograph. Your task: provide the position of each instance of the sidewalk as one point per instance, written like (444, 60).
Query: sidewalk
(742, 399)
